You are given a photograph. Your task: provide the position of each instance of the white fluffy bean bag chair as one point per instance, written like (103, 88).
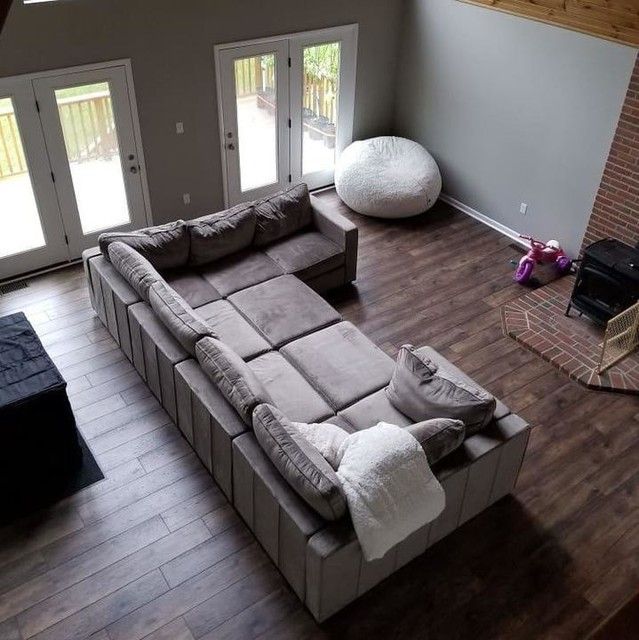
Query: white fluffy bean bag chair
(387, 177)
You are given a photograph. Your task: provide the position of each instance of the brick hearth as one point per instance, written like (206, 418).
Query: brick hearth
(572, 344)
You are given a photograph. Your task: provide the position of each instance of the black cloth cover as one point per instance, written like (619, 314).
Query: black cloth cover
(38, 436)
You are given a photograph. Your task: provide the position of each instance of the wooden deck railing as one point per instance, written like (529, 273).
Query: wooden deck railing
(320, 94)
(12, 160)
(88, 127)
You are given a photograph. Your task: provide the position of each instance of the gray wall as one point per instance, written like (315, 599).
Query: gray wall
(513, 110)
(171, 43)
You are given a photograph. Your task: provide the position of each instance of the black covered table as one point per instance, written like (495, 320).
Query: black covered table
(39, 445)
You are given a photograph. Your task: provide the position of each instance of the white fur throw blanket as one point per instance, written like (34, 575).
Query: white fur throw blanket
(389, 486)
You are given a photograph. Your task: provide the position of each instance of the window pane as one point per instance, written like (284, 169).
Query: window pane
(21, 227)
(91, 141)
(256, 96)
(320, 93)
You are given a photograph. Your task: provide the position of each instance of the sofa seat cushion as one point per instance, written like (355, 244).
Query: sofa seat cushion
(373, 409)
(192, 287)
(422, 389)
(232, 329)
(282, 214)
(241, 270)
(299, 462)
(289, 390)
(134, 268)
(221, 234)
(284, 308)
(165, 246)
(178, 317)
(341, 363)
(232, 376)
(307, 255)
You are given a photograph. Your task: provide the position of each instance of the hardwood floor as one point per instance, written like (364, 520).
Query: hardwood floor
(154, 551)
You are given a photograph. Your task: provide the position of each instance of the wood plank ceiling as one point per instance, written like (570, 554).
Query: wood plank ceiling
(616, 20)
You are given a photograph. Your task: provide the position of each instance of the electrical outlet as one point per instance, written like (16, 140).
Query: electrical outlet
(187, 198)
(523, 208)
(179, 128)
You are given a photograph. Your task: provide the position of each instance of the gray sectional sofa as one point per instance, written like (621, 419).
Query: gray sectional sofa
(251, 277)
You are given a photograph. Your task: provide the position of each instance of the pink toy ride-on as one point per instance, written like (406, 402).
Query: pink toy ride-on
(541, 253)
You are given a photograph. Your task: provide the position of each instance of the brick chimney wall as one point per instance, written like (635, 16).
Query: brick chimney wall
(615, 213)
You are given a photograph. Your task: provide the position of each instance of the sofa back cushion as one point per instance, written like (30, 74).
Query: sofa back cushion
(438, 437)
(178, 317)
(282, 214)
(299, 462)
(221, 234)
(422, 390)
(232, 376)
(165, 246)
(134, 268)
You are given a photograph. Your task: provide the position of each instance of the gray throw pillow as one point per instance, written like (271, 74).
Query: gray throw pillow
(178, 317)
(282, 214)
(165, 246)
(299, 462)
(232, 376)
(221, 234)
(438, 437)
(134, 268)
(422, 390)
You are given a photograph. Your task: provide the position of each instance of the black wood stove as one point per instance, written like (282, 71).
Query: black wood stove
(607, 282)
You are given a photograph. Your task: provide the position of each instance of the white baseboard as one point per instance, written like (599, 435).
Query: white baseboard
(493, 224)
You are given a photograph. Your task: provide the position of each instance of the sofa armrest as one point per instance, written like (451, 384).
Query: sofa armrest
(338, 229)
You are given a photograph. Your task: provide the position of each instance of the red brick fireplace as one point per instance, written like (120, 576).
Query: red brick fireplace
(536, 320)
(616, 210)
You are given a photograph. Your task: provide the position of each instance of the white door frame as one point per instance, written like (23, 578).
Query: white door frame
(52, 128)
(348, 36)
(55, 249)
(96, 66)
(22, 263)
(231, 145)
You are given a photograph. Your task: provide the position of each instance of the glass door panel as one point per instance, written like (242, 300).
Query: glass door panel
(87, 119)
(322, 81)
(254, 98)
(32, 235)
(93, 152)
(21, 225)
(256, 104)
(320, 93)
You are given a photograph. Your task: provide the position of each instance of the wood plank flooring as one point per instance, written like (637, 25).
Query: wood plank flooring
(154, 551)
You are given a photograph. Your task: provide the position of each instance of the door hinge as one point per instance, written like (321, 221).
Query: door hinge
(53, 176)
(37, 106)
(66, 239)
(289, 63)
(289, 123)
(290, 178)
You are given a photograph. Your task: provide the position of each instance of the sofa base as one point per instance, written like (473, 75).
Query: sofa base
(322, 561)
(336, 571)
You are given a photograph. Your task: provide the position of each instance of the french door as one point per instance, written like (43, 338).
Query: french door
(70, 165)
(286, 110)
(255, 107)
